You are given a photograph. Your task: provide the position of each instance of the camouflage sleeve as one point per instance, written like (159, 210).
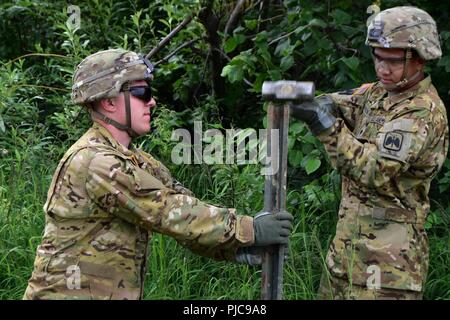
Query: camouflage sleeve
(165, 176)
(173, 183)
(131, 193)
(407, 140)
(349, 103)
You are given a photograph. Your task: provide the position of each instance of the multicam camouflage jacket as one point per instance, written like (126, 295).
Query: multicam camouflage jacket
(387, 149)
(103, 203)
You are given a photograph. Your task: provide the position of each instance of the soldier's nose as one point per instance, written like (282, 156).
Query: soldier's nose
(151, 103)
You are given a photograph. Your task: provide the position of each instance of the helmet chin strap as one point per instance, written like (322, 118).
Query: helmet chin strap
(126, 93)
(405, 80)
(127, 127)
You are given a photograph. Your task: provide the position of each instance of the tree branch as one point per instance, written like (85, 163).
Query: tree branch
(344, 48)
(184, 45)
(262, 12)
(273, 18)
(169, 37)
(37, 55)
(252, 6)
(282, 37)
(203, 77)
(234, 17)
(211, 23)
(200, 53)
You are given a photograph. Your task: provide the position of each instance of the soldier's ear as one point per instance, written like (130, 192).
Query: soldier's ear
(107, 105)
(422, 64)
(419, 62)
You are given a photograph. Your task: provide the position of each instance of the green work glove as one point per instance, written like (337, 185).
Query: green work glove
(253, 255)
(249, 255)
(317, 114)
(272, 228)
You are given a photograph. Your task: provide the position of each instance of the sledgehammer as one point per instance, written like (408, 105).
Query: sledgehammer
(281, 95)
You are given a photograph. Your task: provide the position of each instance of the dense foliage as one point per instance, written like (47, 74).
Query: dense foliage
(221, 59)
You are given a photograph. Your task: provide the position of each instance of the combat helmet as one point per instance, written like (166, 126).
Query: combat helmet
(408, 28)
(104, 75)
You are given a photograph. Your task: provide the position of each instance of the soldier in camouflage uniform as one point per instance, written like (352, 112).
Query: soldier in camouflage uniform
(107, 197)
(388, 140)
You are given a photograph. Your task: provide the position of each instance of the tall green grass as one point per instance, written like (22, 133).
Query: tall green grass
(25, 174)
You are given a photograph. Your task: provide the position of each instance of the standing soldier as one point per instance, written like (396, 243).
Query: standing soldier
(388, 140)
(106, 197)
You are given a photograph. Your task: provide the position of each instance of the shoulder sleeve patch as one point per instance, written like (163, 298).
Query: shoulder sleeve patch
(395, 139)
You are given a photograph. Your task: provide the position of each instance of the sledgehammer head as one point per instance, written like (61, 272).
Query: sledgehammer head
(284, 91)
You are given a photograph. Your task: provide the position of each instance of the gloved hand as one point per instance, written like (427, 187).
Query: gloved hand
(317, 114)
(253, 255)
(272, 228)
(249, 255)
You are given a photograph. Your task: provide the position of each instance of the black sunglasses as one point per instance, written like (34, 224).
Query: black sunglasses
(143, 93)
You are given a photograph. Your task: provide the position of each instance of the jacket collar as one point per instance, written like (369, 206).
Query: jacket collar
(102, 135)
(421, 87)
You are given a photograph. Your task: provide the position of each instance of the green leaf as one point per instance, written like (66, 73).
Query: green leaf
(341, 17)
(295, 157)
(445, 62)
(307, 148)
(257, 84)
(350, 32)
(291, 142)
(136, 18)
(312, 164)
(244, 58)
(251, 24)
(310, 138)
(324, 43)
(230, 44)
(233, 73)
(286, 63)
(305, 36)
(264, 53)
(261, 37)
(296, 127)
(300, 29)
(351, 62)
(318, 23)
(240, 38)
(238, 30)
(310, 47)
(445, 35)
(265, 120)
(274, 75)
(233, 42)
(339, 78)
(282, 47)
(2, 124)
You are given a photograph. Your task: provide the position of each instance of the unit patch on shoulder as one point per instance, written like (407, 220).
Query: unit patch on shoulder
(393, 141)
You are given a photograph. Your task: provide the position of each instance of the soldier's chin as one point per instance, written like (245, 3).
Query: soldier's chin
(143, 131)
(391, 87)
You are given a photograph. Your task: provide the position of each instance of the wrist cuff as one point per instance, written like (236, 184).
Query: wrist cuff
(244, 230)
